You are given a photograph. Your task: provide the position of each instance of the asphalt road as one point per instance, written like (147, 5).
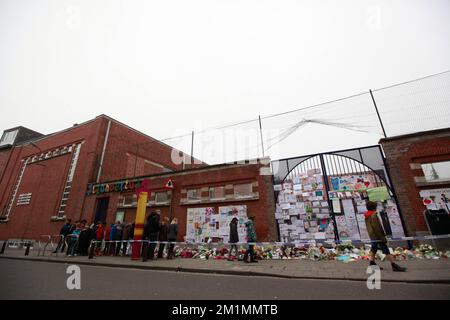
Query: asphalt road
(42, 280)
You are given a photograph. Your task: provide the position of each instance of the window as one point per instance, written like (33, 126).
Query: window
(8, 137)
(129, 200)
(120, 215)
(437, 171)
(243, 190)
(161, 197)
(193, 194)
(217, 192)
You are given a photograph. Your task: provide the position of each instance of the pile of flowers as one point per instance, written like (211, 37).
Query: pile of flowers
(340, 252)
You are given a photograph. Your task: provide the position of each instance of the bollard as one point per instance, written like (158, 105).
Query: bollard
(3, 247)
(27, 251)
(91, 250)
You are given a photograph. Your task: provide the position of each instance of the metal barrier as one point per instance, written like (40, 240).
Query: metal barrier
(19, 243)
(61, 240)
(49, 237)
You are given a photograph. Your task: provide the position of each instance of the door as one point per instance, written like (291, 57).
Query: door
(101, 209)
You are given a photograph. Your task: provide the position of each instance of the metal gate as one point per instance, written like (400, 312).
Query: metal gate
(323, 196)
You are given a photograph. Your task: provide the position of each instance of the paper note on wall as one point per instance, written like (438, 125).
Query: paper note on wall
(336, 206)
(378, 194)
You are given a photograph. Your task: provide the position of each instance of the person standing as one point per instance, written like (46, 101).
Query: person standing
(112, 238)
(234, 237)
(378, 237)
(118, 237)
(99, 235)
(162, 237)
(251, 237)
(151, 229)
(125, 238)
(65, 230)
(72, 249)
(172, 237)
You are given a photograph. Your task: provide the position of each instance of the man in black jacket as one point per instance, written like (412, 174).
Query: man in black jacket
(151, 229)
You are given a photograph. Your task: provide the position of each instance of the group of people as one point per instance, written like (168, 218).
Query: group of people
(159, 230)
(250, 255)
(115, 237)
(79, 235)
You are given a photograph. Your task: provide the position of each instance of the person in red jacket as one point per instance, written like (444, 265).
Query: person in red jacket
(99, 235)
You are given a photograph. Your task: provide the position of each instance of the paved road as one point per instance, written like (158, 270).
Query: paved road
(42, 280)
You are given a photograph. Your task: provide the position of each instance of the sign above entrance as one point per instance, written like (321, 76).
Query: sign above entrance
(118, 186)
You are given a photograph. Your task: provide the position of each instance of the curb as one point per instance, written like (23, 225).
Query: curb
(212, 271)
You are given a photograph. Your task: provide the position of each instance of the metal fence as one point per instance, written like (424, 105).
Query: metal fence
(413, 106)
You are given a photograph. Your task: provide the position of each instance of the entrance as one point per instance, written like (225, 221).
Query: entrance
(101, 209)
(323, 196)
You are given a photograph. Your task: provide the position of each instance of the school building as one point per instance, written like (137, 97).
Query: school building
(92, 170)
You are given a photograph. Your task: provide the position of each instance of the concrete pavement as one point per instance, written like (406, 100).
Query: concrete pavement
(419, 271)
(23, 279)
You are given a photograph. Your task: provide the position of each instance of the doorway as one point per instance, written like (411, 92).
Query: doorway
(101, 209)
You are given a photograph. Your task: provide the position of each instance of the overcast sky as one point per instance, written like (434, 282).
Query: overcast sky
(168, 67)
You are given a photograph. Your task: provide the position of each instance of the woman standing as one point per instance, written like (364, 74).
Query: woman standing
(162, 236)
(234, 237)
(172, 236)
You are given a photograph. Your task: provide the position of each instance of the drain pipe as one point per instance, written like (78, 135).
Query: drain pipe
(103, 152)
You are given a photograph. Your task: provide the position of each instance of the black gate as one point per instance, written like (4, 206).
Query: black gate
(322, 197)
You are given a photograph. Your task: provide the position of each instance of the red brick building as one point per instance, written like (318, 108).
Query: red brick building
(45, 178)
(217, 187)
(418, 162)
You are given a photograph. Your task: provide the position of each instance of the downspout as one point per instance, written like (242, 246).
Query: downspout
(103, 152)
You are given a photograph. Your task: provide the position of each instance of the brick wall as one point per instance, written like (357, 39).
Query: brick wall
(261, 205)
(404, 155)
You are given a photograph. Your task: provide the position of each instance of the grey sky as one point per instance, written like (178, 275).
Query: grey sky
(167, 67)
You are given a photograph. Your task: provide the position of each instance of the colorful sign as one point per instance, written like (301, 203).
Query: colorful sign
(118, 186)
(378, 194)
(352, 182)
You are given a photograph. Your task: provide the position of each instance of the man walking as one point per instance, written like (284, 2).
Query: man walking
(378, 237)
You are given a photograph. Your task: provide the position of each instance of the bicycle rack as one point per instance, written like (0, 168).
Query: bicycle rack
(49, 237)
(61, 238)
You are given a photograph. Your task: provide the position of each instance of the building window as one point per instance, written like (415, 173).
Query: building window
(243, 190)
(193, 194)
(436, 171)
(129, 200)
(8, 137)
(120, 215)
(161, 198)
(216, 193)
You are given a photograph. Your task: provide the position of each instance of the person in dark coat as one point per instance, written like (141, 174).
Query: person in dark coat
(118, 237)
(84, 239)
(172, 236)
(125, 238)
(151, 229)
(234, 237)
(376, 234)
(162, 237)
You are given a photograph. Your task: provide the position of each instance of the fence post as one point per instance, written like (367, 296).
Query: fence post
(27, 251)
(91, 250)
(3, 247)
(378, 113)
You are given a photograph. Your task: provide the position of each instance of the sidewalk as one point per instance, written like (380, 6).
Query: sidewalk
(419, 271)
